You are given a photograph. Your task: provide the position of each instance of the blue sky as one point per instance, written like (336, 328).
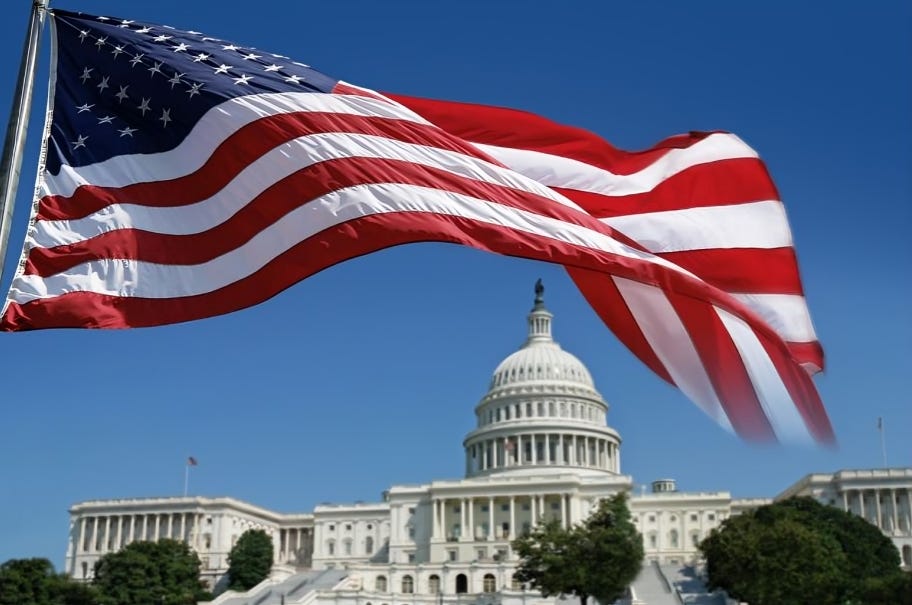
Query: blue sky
(366, 375)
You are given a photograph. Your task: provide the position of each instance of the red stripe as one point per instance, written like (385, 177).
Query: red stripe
(719, 183)
(725, 368)
(523, 130)
(808, 353)
(340, 243)
(604, 297)
(277, 201)
(802, 391)
(743, 270)
(236, 153)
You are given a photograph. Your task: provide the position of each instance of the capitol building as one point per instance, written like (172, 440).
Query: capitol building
(542, 448)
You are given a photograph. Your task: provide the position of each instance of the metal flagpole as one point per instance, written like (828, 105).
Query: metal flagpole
(883, 441)
(14, 145)
(186, 478)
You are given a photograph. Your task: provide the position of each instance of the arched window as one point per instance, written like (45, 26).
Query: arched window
(408, 585)
(515, 584)
(462, 584)
(489, 583)
(331, 547)
(434, 584)
(347, 547)
(907, 555)
(380, 584)
(369, 546)
(85, 570)
(673, 538)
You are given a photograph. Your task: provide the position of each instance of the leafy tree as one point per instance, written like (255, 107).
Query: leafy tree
(798, 551)
(895, 589)
(598, 558)
(34, 582)
(27, 582)
(250, 560)
(149, 573)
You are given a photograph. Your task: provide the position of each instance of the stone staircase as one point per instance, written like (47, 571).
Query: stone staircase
(297, 589)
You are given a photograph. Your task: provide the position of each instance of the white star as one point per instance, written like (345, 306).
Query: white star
(85, 74)
(294, 79)
(176, 79)
(194, 89)
(144, 106)
(223, 69)
(125, 23)
(117, 50)
(180, 48)
(100, 42)
(136, 59)
(103, 84)
(156, 69)
(251, 57)
(79, 142)
(161, 38)
(122, 94)
(166, 117)
(272, 67)
(243, 79)
(127, 131)
(201, 57)
(230, 47)
(144, 30)
(85, 107)
(83, 34)
(106, 120)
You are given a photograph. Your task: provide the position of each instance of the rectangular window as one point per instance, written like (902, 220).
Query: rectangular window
(504, 507)
(451, 555)
(484, 508)
(555, 505)
(411, 557)
(482, 553)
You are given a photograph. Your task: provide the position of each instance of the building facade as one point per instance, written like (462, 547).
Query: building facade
(541, 449)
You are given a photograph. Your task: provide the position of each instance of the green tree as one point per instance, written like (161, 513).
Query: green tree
(34, 582)
(27, 582)
(797, 551)
(250, 560)
(598, 558)
(149, 573)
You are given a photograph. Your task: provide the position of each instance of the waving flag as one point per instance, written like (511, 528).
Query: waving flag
(186, 177)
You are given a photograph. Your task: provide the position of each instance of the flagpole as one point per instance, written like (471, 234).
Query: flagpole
(883, 441)
(186, 478)
(14, 144)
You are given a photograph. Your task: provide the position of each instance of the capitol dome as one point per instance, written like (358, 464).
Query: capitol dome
(541, 410)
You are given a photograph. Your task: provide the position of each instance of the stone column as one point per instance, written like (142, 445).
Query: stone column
(547, 449)
(107, 535)
(894, 517)
(491, 532)
(170, 529)
(512, 534)
(560, 449)
(81, 546)
(532, 516)
(118, 535)
(845, 501)
(463, 519)
(472, 519)
(877, 507)
(909, 511)
(157, 527)
(563, 511)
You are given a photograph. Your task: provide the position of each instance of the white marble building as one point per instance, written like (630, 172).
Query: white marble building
(541, 449)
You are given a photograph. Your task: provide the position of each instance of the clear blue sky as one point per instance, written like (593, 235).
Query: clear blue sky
(366, 375)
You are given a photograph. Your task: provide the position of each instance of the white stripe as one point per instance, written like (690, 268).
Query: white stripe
(752, 225)
(671, 343)
(787, 314)
(774, 397)
(144, 279)
(209, 132)
(558, 171)
(265, 172)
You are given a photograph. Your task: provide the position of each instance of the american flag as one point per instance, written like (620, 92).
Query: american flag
(185, 176)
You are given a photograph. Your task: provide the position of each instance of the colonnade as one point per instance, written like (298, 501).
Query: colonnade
(110, 533)
(496, 517)
(294, 543)
(566, 449)
(888, 508)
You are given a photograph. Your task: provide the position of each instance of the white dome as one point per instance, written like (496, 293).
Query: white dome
(539, 362)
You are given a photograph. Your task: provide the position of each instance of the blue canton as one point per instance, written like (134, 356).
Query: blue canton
(128, 87)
